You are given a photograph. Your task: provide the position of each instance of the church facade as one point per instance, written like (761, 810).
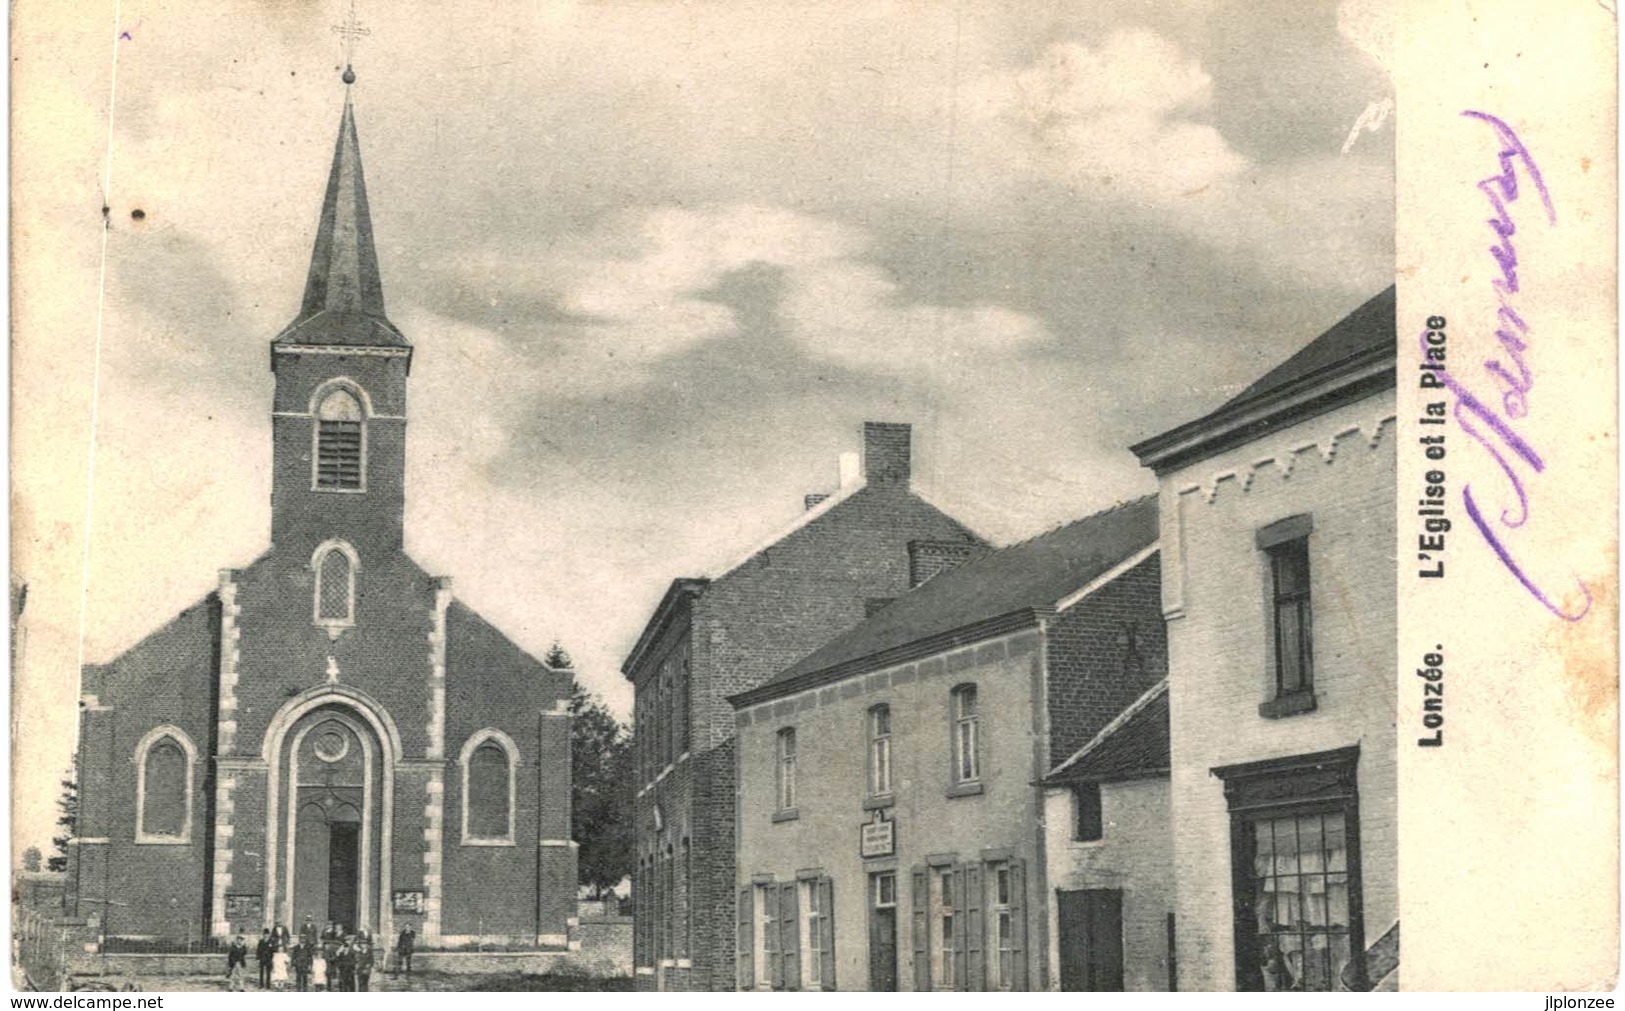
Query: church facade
(330, 734)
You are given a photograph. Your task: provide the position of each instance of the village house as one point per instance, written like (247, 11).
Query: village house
(890, 805)
(845, 556)
(1108, 831)
(1278, 533)
(329, 734)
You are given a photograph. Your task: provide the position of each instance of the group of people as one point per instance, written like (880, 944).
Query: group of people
(329, 960)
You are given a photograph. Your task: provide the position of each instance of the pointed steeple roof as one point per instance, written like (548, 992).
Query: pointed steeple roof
(344, 297)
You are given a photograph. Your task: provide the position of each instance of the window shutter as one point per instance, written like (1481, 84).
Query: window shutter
(921, 895)
(790, 934)
(975, 930)
(826, 932)
(770, 936)
(1018, 924)
(747, 939)
(959, 925)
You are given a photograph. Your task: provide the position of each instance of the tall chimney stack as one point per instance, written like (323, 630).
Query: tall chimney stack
(886, 452)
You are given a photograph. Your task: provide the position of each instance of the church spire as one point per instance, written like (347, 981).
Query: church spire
(344, 266)
(344, 297)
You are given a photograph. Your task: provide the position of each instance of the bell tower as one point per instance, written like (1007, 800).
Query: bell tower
(339, 414)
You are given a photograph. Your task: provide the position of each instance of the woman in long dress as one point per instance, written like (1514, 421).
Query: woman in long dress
(279, 968)
(318, 970)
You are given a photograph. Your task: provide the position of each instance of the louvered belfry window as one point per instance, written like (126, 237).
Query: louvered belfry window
(339, 423)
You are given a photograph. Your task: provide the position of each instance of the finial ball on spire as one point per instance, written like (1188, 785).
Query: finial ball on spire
(348, 75)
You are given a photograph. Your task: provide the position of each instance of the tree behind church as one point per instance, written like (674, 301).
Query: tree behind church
(601, 802)
(68, 818)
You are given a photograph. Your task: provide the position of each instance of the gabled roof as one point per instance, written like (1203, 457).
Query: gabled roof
(1349, 361)
(1132, 746)
(985, 597)
(344, 296)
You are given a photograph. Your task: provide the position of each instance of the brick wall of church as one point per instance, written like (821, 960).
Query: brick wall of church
(492, 891)
(167, 679)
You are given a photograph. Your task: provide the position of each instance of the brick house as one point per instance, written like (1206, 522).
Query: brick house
(330, 734)
(1108, 832)
(1278, 534)
(846, 555)
(890, 809)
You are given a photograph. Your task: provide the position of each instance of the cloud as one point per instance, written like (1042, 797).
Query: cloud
(647, 285)
(1115, 119)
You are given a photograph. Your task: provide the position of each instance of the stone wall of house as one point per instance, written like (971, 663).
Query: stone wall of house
(1134, 856)
(933, 827)
(1339, 468)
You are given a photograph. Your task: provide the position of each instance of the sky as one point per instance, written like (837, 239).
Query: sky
(659, 261)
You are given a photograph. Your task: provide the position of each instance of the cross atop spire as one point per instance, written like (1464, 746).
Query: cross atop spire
(344, 296)
(351, 31)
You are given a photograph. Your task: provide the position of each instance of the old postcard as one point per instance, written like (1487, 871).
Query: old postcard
(864, 496)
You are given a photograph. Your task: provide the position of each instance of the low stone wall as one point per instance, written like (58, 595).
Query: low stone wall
(85, 964)
(605, 941)
(600, 947)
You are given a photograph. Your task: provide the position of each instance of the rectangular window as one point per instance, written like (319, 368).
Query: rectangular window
(942, 960)
(812, 967)
(1003, 919)
(765, 929)
(1088, 825)
(1295, 854)
(1289, 577)
(1300, 866)
(880, 750)
(787, 769)
(885, 890)
(967, 764)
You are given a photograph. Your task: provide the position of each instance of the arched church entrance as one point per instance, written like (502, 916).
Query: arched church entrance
(332, 765)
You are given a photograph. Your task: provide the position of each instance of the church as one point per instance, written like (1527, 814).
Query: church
(329, 735)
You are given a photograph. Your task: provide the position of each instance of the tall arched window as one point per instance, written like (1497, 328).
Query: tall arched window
(163, 804)
(335, 564)
(341, 442)
(490, 761)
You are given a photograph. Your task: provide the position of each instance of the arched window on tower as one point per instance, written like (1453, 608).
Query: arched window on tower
(163, 805)
(489, 762)
(341, 442)
(335, 564)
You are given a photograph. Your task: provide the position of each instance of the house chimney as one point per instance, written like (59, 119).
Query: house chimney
(886, 452)
(812, 501)
(849, 470)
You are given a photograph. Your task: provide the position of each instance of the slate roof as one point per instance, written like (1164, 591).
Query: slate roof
(344, 296)
(1033, 574)
(1132, 746)
(1352, 360)
(1370, 327)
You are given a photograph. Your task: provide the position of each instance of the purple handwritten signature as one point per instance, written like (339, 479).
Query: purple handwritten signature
(1491, 425)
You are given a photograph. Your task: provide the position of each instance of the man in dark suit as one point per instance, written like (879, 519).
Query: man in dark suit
(263, 951)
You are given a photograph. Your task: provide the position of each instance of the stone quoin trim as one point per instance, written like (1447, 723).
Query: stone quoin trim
(189, 752)
(318, 558)
(437, 670)
(434, 817)
(464, 758)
